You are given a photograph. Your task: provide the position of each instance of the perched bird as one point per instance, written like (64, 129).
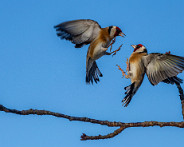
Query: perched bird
(158, 68)
(85, 31)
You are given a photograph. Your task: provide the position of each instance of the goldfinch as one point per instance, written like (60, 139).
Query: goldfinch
(158, 68)
(85, 31)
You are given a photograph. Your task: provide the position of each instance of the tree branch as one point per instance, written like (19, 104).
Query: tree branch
(182, 106)
(110, 135)
(181, 97)
(122, 125)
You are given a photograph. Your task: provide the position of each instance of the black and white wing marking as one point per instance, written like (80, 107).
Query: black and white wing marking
(160, 67)
(79, 32)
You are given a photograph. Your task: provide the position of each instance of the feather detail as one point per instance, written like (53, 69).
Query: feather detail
(92, 72)
(79, 32)
(162, 66)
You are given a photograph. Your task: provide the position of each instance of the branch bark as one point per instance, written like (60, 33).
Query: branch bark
(121, 125)
(182, 106)
(110, 135)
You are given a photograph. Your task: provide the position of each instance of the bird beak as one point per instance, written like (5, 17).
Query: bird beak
(134, 46)
(122, 34)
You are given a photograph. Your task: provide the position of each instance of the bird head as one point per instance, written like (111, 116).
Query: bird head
(139, 48)
(115, 31)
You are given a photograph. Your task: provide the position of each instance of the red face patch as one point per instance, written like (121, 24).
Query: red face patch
(118, 30)
(140, 45)
(137, 47)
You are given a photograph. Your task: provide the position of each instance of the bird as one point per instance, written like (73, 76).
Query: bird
(86, 31)
(158, 68)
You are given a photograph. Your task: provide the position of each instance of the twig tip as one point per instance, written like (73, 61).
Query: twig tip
(83, 136)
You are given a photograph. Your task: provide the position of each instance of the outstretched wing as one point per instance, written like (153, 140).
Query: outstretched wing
(79, 32)
(160, 67)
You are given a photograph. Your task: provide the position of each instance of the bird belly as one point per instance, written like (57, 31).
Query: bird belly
(137, 69)
(107, 43)
(98, 52)
(136, 72)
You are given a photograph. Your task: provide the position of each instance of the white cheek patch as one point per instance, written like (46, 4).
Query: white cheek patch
(113, 31)
(141, 49)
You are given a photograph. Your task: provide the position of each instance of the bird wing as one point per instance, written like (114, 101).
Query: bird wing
(162, 66)
(79, 32)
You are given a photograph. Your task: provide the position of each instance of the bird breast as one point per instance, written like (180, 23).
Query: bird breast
(96, 49)
(137, 69)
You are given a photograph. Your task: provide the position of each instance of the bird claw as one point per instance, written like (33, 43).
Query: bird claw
(123, 73)
(113, 41)
(114, 52)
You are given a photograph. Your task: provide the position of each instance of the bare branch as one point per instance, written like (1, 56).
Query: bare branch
(110, 135)
(182, 105)
(71, 118)
(181, 97)
(95, 121)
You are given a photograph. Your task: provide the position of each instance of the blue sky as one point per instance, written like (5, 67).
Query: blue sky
(38, 70)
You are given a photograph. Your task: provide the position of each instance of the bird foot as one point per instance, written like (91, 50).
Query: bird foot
(123, 73)
(110, 45)
(114, 52)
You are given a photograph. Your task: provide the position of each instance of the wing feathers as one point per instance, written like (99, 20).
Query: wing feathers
(162, 66)
(79, 32)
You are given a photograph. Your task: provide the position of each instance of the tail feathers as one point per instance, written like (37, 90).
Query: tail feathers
(93, 74)
(173, 80)
(130, 91)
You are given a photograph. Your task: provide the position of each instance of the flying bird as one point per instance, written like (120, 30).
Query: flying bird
(85, 31)
(158, 68)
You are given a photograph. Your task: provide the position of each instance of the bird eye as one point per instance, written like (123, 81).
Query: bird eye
(118, 29)
(138, 46)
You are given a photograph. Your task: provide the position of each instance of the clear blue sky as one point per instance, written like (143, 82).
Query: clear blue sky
(38, 70)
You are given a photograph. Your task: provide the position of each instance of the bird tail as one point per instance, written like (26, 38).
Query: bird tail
(92, 72)
(130, 92)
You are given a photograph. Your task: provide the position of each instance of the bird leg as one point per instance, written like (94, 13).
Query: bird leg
(123, 73)
(114, 52)
(128, 67)
(112, 42)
